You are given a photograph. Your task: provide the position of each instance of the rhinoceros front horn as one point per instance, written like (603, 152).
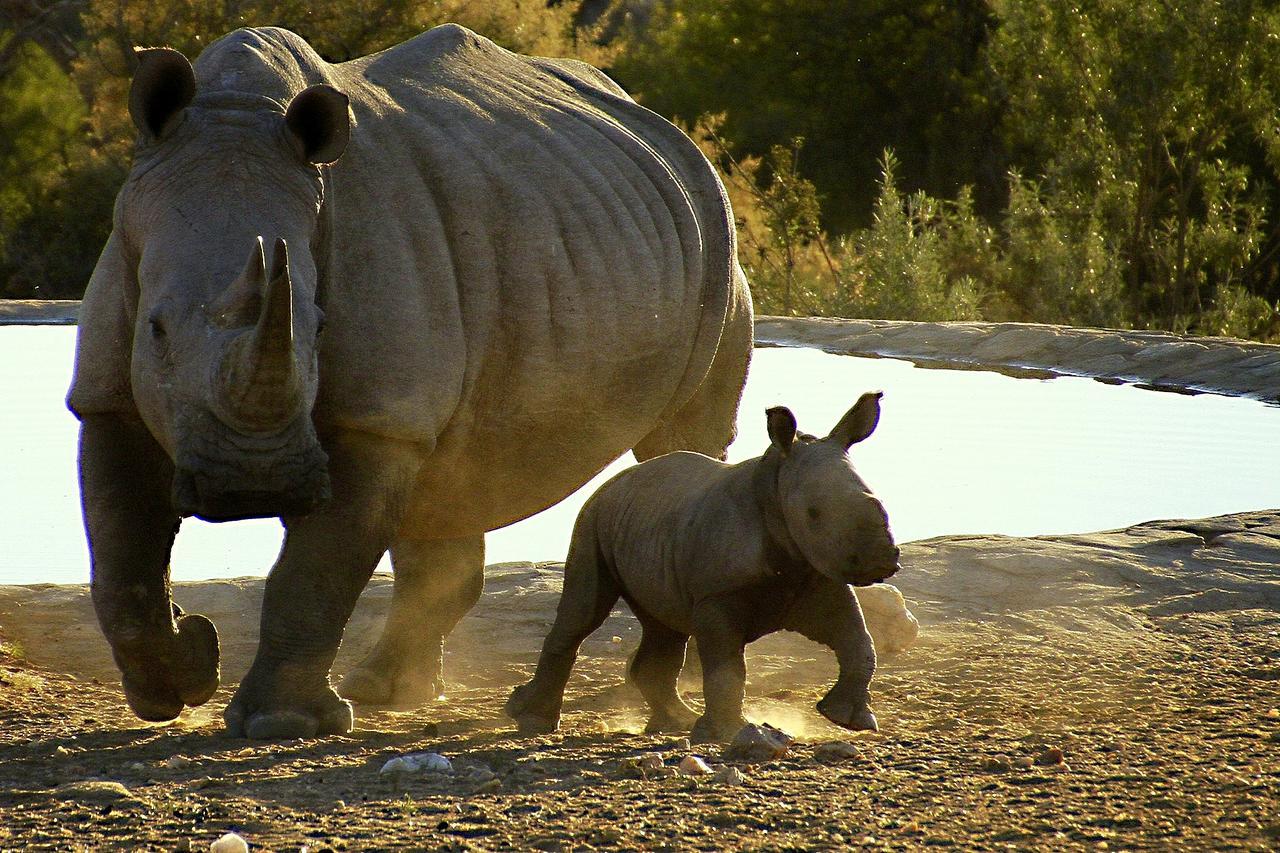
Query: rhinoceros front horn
(260, 387)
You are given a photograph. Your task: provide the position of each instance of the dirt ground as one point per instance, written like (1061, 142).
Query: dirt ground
(1170, 739)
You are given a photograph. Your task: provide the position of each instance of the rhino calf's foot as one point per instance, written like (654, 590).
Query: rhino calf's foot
(158, 686)
(533, 713)
(709, 730)
(324, 714)
(848, 714)
(396, 683)
(671, 720)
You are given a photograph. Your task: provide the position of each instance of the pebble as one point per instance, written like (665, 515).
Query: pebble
(615, 639)
(1049, 757)
(683, 743)
(693, 765)
(418, 762)
(998, 764)
(176, 762)
(1024, 762)
(229, 843)
(489, 786)
(96, 791)
(758, 743)
(834, 751)
(652, 761)
(729, 775)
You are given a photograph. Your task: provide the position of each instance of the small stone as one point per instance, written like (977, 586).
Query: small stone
(998, 764)
(758, 743)
(615, 639)
(662, 773)
(693, 765)
(834, 751)
(229, 843)
(728, 775)
(489, 786)
(176, 762)
(683, 743)
(1023, 763)
(652, 761)
(1274, 713)
(96, 791)
(1049, 757)
(61, 750)
(418, 762)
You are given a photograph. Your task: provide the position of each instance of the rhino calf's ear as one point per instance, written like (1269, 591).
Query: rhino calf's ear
(782, 428)
(859, 422)
(162, 87)
(319, 124)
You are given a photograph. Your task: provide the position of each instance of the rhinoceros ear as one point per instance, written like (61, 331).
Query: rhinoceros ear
(162, 87)
(319, 124)
(782, 428)
(859, 422)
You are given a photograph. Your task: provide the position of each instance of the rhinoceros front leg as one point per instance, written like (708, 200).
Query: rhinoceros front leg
(721, 632)
(827, 612)
(167, 659)
(436, 583)
(325, 563)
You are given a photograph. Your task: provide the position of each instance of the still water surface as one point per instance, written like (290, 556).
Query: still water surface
(956, 452)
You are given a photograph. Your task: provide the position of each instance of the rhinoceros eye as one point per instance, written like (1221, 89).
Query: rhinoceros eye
(158, 333)
(814, 513)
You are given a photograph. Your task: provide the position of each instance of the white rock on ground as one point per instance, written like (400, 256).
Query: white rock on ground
(229, 843)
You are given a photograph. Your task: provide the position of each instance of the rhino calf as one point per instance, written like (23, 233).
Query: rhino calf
(725, 554)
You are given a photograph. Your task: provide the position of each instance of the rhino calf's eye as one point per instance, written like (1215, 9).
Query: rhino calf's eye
(814, 513)
(157, 330)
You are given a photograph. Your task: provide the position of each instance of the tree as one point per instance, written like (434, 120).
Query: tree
(852, 79)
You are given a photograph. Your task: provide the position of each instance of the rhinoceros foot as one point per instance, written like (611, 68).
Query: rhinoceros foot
(158, 686)
(398, 683)
(847, 714)
(533, 713)
(250, 715)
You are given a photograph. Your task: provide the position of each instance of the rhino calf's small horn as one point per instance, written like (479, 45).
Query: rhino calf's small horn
(259, 385)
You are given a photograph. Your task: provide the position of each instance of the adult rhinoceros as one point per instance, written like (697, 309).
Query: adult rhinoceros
(520, 274)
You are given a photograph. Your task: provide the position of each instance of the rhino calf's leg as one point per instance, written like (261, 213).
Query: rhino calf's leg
(721, 635)
(590, 591)
(827, 612)
(327, 559)
(167, 659)
(436, 583)
(654, 669)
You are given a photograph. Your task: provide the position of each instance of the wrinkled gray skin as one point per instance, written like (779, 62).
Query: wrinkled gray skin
(521, 275)
(725, 554)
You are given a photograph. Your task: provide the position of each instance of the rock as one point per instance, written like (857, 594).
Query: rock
(96, 791)
(758, 743)
(418, 762)
(229, 843)
(652, 761)
(693, 765)
(176, 762)
(489, 786)
(615, 639)
(834, 751)
(998, 764)
(683, 743)
(1049, 757)
(1024, 762)
(729, 775)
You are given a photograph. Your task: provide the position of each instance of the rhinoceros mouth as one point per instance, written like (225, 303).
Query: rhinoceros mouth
(213, 498)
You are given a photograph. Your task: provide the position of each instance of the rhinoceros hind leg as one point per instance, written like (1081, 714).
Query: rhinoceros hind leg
(436, 583)
(654, 669)
(707, 422)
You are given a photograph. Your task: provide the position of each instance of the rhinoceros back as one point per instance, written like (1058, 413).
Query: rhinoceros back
(526, 270)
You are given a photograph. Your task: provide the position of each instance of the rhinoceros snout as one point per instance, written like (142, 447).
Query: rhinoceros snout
(867, 569)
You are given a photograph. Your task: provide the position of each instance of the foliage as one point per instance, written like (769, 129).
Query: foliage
(850, 78)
